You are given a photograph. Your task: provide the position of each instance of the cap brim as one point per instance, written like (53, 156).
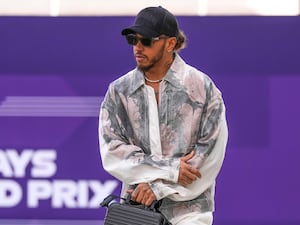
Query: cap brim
(140, 30)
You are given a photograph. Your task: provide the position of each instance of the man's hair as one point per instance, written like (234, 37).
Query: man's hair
(181, 41)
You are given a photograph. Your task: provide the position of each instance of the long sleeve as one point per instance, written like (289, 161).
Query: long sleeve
(121, 155)
(210, 152)
(209, 170)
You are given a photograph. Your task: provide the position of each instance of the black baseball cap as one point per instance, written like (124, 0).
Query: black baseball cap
(153, 22)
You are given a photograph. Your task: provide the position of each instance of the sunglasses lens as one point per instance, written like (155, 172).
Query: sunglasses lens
(146, 41)
(131, 39)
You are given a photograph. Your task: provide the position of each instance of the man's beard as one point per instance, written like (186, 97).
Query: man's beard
(154, 61)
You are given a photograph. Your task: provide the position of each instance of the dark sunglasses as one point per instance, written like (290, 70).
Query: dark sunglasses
(132, 39)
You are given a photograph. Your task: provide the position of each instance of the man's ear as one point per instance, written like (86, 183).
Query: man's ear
(171, 44)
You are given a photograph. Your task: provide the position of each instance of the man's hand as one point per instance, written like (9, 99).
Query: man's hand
(187, 173)
(143, 194)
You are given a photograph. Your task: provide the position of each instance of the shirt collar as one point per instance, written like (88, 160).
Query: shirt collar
(175, 72)
(172, 76)
(137, 80)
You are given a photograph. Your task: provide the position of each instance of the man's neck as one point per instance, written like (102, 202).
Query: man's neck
(159, 71)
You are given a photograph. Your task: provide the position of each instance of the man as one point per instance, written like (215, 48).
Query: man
(162, 127)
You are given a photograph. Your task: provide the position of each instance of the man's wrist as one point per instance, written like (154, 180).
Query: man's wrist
(156, 187)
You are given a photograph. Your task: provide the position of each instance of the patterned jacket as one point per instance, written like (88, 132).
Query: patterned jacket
(142, 141)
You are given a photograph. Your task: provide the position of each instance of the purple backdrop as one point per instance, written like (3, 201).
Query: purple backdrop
(55, 71)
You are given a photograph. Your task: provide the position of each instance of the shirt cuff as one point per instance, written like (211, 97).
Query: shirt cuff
(160, 189)
(174, 171)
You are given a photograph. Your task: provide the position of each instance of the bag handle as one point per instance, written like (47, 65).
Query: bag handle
(107, 200)
(151, 207)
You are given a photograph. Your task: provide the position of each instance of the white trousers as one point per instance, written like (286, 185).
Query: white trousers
(194, 218)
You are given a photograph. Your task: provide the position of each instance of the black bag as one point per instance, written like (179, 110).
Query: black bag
(130, 213)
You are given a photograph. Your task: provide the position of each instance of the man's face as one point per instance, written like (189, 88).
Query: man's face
(148, 57)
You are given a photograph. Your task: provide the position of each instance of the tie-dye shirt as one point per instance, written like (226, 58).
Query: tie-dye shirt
(141, 141)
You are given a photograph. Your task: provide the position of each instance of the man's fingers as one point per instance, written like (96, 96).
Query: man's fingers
(188, 174)
(188, 156)
(185, 182)
(191, 176)
(195, 172)
(143, 194)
